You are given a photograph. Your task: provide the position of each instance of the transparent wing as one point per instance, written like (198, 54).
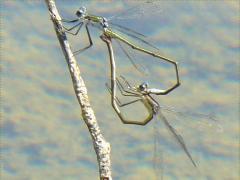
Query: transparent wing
(158, 161)
(140, 67)
(134, 35)
(152, 68)
(203, 120)
(177, 136)
(147, 8)
(123, 28)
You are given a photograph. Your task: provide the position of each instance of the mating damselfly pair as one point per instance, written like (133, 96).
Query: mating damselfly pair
(143, 93)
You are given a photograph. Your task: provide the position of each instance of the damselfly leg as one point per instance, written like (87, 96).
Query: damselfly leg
(151, 105)
(85, 18)
(89, 40)
(79, 27)
(68, 30)
(131, 92)
(124, 93)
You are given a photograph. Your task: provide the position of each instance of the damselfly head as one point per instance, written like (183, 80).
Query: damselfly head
(104, 22)
(143, 86)
(81, 12)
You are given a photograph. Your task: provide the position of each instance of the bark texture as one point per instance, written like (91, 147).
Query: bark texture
(101, 146)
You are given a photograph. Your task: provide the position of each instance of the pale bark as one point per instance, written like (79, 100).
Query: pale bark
(101, 146)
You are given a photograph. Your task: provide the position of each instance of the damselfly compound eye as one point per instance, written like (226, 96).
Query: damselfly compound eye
(104, 19)
(81, 11)
(104, 23)
(143, 86)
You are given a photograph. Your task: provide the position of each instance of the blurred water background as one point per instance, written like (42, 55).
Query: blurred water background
(42, 134)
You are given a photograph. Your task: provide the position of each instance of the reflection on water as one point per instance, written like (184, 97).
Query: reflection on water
(42, 131)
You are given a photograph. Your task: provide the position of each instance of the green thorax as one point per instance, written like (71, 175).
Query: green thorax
(109, 33)
(93, 18)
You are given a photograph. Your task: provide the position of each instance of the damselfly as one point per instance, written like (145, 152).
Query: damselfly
(148, 99)
(86, 19)
(157, 112)
(142, 94)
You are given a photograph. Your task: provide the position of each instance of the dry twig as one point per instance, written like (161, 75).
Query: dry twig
(102, 148)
